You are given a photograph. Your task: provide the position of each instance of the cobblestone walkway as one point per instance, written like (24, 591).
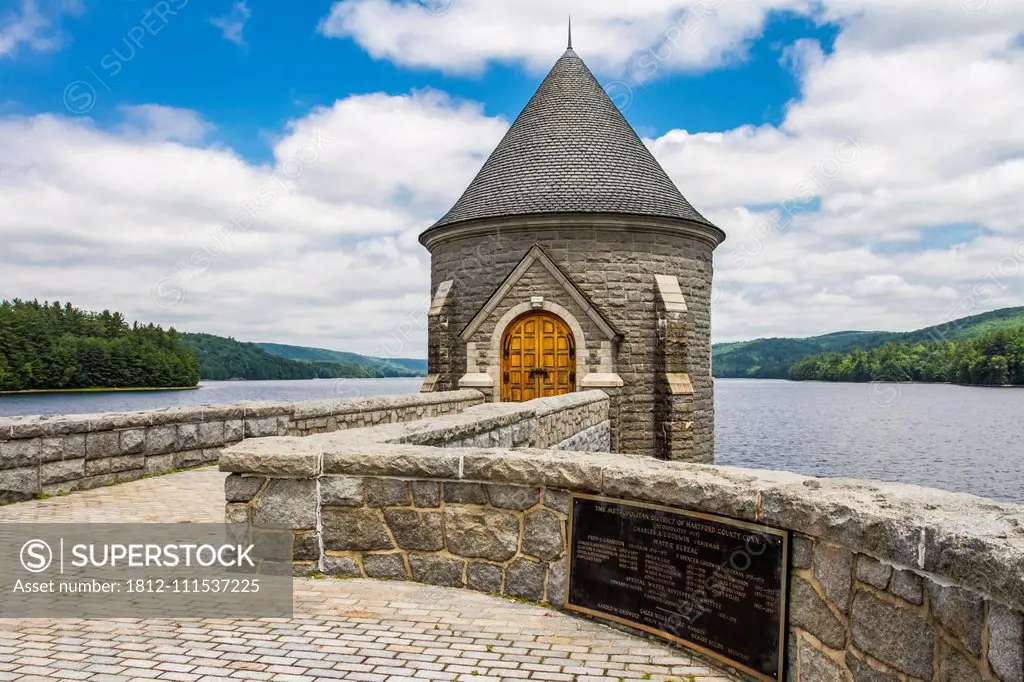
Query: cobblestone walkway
(343, 629)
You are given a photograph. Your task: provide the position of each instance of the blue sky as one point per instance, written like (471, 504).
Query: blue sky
(126, 53)
(829, 139)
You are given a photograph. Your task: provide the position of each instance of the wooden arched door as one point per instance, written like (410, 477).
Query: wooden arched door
(538, 358)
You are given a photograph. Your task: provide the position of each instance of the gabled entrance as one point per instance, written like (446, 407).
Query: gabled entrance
(538, 358)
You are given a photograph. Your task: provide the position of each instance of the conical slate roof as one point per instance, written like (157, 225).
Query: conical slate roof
(571, 151)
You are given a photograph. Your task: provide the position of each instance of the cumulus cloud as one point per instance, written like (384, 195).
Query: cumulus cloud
(32, 25)
(464, 35)
(887, 146)
(318, 247)
(887, 198)
(157, 122)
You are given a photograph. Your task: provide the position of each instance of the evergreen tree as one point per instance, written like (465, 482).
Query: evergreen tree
(992, 359)
(55, 346)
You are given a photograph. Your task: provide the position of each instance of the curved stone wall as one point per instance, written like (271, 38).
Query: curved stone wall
(614, 263)
(889, 583)
(54, 455)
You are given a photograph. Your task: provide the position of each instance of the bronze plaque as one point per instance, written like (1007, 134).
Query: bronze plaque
(713, 584)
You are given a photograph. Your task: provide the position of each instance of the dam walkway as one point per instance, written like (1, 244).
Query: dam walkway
(350, 629)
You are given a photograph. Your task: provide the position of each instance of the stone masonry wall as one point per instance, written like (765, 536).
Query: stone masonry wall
(615, 268)
(541, 423)
(888, 583)
(537, 282)
(53, 455)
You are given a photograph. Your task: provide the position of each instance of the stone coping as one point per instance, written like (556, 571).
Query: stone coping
(300, 455)
(46, 425)
(954, 538)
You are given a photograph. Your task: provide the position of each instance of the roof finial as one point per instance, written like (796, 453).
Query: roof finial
(570, 32)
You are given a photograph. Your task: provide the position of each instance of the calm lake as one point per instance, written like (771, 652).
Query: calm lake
(952, 437)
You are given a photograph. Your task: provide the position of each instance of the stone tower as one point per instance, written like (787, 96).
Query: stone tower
(573, 262)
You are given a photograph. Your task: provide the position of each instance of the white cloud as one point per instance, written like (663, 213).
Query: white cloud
(32, 25)
(914, 122)
(232, 25)
(156, 122)
(464, 35)
(318, 247)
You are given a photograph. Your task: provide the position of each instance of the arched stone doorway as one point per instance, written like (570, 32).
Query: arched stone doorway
(538, 357)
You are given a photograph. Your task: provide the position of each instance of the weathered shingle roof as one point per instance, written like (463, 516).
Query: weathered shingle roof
(570, 151)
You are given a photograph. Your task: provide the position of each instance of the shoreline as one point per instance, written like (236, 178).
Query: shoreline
(45, 391)
(873, 381)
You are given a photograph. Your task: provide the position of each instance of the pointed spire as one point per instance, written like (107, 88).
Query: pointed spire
(570, 32)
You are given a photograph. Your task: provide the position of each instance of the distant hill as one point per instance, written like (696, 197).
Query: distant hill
(389, 366)
(995, 358)
(223, 359)
(773, 358)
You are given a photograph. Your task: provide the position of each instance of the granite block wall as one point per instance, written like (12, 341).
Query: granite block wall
(887, 583)
(615, 266)
(503, 539)
(56, 455)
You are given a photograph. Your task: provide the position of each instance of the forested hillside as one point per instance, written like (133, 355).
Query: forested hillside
(391, 367)
(225, 358)
(47, 346)
(993, 359)
(773, 358)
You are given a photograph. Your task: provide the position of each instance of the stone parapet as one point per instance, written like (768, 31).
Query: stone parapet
(887, 582)
(55, 455)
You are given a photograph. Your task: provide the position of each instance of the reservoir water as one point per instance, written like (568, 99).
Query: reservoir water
(957, 438)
